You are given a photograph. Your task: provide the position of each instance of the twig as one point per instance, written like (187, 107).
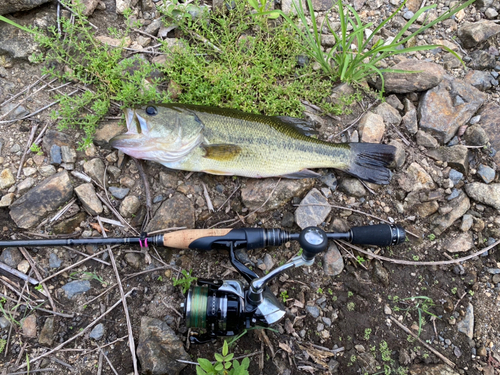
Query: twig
(165, 230)
(445, 360)
(28, 145)
(83, 254)
(456, 305)
(147, 34)
(75, 14)
(81, 333)
(22, 92)
(205, 40)
(62, 363)
(412, 263)
(170, 307)
(31, 371)
(39, 138)
(62, 211)
(17, 273)
(37, 111)
(354, 122)
(403, 138)
(107, 359)
(73, 265)
(207, 198)
(338, 350)
(234, 192)
(124, 302)
(352, 256)
(147, 190)
(116, 213)
(108, 344)
(38, 308)
(35, 269)
(99, 366)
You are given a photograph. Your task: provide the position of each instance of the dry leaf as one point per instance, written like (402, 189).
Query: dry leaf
(97, 227)
(285, 347)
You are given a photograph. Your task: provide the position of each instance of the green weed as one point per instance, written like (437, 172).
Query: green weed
(368, 332)
(261, 5)
(185, 281)
(284, 295)
(355, 65)
(421, 304)
(223, 364)
(87, 276)
(3, 343)
(36, 149)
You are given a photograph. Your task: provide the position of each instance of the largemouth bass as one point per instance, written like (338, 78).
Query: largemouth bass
(229, 142)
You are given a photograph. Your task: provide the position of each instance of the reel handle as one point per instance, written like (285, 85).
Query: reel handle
(378, 235)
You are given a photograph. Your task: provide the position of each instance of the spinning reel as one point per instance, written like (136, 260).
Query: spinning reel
(226, 307)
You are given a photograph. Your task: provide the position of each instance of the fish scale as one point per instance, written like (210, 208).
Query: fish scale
(230, 142)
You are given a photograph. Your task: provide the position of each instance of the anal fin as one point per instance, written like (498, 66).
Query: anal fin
(304, 173)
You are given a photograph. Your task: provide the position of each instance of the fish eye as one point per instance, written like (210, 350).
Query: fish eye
(151, 111)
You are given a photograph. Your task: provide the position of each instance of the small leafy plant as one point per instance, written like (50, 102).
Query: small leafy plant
(185, 281)
(421, 304)
(261, 5)
(2, 344)
(284, 295)
(223, 364)
(36, 149)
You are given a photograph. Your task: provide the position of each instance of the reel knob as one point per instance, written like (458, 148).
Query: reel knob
(313, 240)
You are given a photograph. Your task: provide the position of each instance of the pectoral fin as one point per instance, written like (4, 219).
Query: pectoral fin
(221, 152)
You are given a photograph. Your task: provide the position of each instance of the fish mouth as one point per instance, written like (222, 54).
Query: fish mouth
(134, 136)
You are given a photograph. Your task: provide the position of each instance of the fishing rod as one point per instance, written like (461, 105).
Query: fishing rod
(227, 307)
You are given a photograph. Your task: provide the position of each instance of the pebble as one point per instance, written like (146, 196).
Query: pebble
(28, 326)
(466, 326)
(23, 266)
(333, 263)
(54, 261)
(408, 15)
(97, 332)
(47, 170)
(268, 261)
(320, 327)
(47, 333)
(129, 206)
(455, 176)
(118, 193)
(313, 209)
(7, 200)
(313, 311)
(4, 322)
(486, 173)
(76, 287)
(494, 271)
(55, 155)
(6, 179)
(327, 321)
(25, 185)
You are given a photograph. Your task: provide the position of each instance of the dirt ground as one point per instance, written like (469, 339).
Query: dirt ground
(355, 307)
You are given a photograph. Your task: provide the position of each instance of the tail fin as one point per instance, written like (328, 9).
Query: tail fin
(369, 162)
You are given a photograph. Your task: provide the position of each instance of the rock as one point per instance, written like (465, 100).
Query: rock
(126, 42)
(159, 348)
(410, 117)
(53, 137)
(88, 198)
(467, 222)
(6, 179)
(55, 155)
(321, 5)
(7, 200)
(371, 128)
(412, 5)
(97, 332)
(490, 13)
(486, 194)
(68, 154)
(23, 266)
(471, 34)
(457, 208)
(329, 180)
(313, 311)
(380, 273)
(46, 197)
(122, 6)
(333, 262)
(107, 131)
(154, 26)
(482, 60)
(28, 325)
(177, 211)
(47, 333)
(426, 140)
(490, 118)
(47, 170)
(458, 242)
(479, 79)
(16, 44)
(68, 226)
(427, 75)
(129, 206)
(313, 209)
(426, 209)
(353, 187)
(415, 179)
(95, 169)
(475, 135)
(466, 326)
(268, 261)
(445, 108)
(431, 370)
(11, 257)
(389, 114)
(256, 191)
(4, 322)
(25, 185)
(486, 173)
(456, 156)
(118, 193)
(133, 259)
(76, 287)
(89, 6)
(54, 261)
(400, 156)
(13, 6)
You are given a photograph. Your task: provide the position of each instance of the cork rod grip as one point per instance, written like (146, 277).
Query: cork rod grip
(182, 238)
